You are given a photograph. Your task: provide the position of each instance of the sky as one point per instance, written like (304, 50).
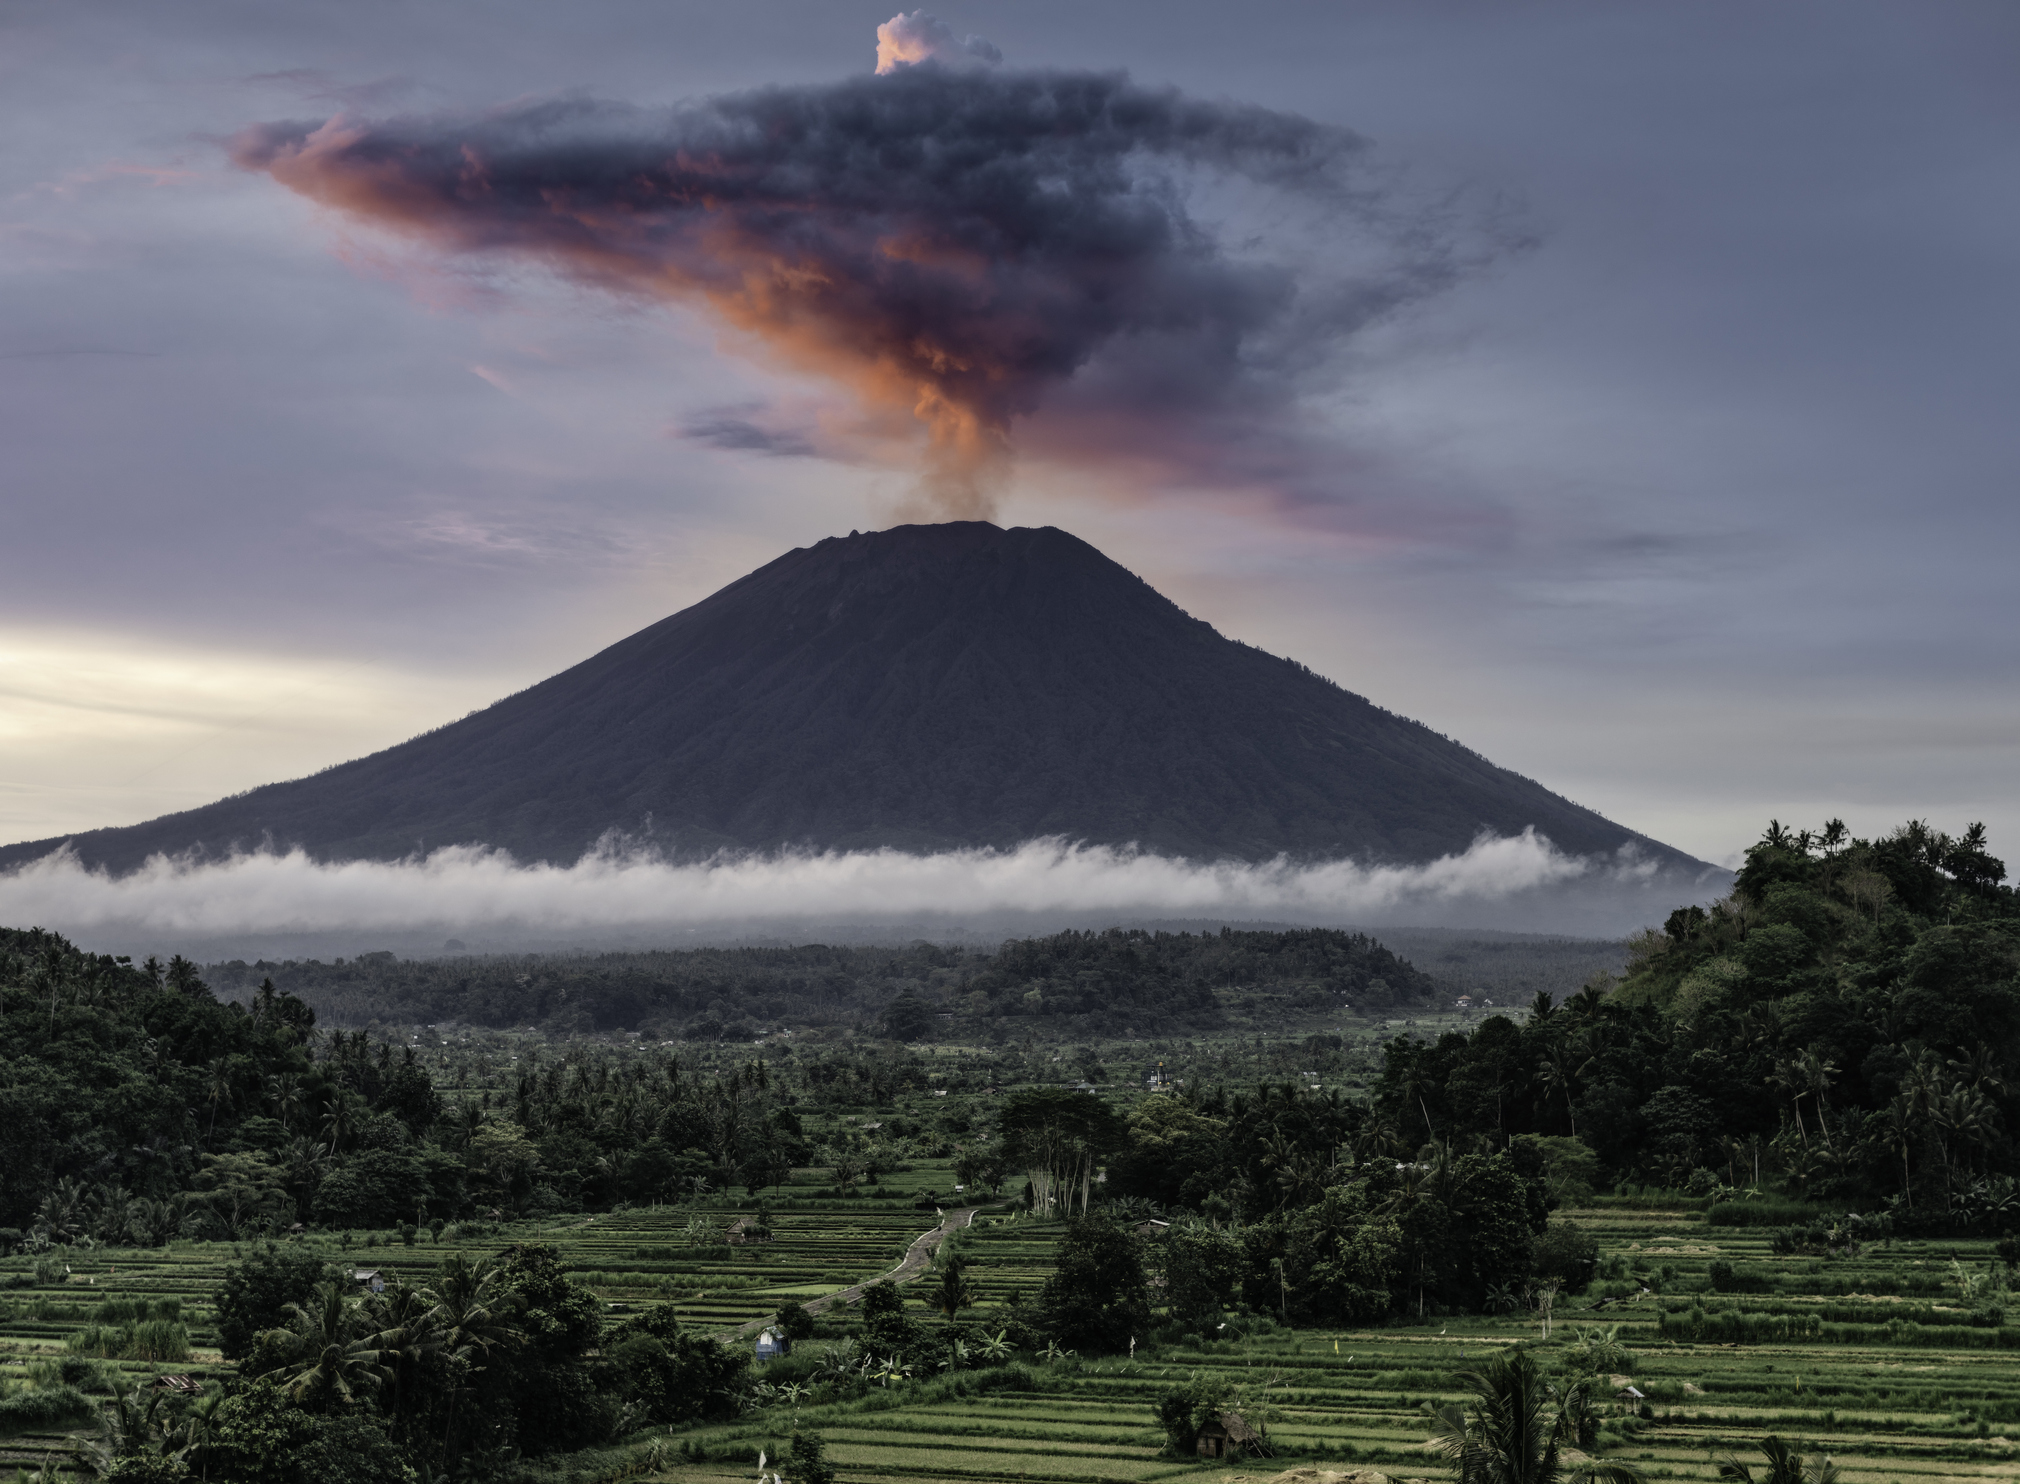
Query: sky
(1622, 389)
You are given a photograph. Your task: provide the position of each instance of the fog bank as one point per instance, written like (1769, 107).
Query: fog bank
(254, 903)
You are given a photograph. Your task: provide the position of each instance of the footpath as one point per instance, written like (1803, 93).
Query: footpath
(918, 1257)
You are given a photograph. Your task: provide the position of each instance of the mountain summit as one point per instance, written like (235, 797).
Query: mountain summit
(925, 687)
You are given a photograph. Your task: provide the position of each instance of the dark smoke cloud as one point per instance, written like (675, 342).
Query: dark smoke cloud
(963, 246)
(726, 430)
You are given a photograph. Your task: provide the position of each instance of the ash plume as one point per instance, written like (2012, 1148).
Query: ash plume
(955, 244)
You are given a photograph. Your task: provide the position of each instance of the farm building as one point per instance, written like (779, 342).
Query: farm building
(1229, 1430)
(771, 1345)
(369, 1278)
(746, 1229)
(1152, 1228)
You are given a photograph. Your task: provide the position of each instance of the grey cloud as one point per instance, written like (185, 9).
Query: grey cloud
(741, 435)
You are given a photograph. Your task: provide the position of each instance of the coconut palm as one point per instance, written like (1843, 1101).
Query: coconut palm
(1559, 1072)
(405, 1334)
(217, 1090)
(1900, 1128)
(1784, 1466)
(1519, 1429)
(956, 1292)
(473, 1314)
(62, 1215)
(1817, 1075)
(332, 1355)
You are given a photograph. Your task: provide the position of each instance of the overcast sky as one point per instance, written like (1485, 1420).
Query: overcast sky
(1688, 490)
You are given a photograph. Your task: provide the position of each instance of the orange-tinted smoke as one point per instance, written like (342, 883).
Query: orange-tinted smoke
(955, 245)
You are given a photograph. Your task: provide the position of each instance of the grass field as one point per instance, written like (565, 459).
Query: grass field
(1881, 1359)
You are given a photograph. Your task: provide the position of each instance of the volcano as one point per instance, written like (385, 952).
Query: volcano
(923, 688)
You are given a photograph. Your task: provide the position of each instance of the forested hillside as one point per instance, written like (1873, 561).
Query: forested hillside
(1120, 983)
(1844, 1026)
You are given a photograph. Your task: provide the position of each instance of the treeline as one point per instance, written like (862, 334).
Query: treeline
(1281, 1201)
(484, 1363)
(1073, 984)
(1844, 1027)
(139, 1107)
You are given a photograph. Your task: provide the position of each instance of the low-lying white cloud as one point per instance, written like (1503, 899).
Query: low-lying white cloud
(472, 888)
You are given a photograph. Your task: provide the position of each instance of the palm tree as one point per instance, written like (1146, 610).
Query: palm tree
(333, 1358)
(61, 1217)
(340, 1120)
(1817, 1075)
(473, 1313)
(217, 1090)
(956, 1292)
(1899, 1127)
(1788, 1076)
(1558, 1075)
(406, 1334)
(1785, 1466)
(285, 1091)
(1519, 1429)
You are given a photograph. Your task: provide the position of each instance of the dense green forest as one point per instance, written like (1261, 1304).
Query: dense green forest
(1116, 983)
(1845, 1026)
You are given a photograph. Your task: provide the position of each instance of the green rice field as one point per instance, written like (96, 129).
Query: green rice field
(1896, 1361)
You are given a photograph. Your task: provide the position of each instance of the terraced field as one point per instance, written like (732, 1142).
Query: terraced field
(1885, 1370)
(1882, 1359)
(629, 1258)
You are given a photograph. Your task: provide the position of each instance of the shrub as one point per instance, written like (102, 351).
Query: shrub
(136, 1310)
(810, 1464)
(1731, 1327)
(793, 1320)
(1566, 1252)
(146, 1468)
(1725, 1278)
(151, 1339)
(255, 1294)
(72, 1370)
(44, 1409)
(672, 1375)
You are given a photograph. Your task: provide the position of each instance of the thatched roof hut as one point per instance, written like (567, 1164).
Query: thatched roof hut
(1226, 1431)
(746, 1229)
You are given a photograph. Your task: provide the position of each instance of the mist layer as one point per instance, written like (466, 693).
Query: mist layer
(465, 888)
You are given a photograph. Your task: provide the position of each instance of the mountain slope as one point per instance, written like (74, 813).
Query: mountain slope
(923, 687)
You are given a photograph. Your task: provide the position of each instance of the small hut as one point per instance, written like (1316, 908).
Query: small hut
(771, 1345)
(369, 1278)
(182, 1385)
(744, 1230)
(1227, 1431)
(1152, 1228)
